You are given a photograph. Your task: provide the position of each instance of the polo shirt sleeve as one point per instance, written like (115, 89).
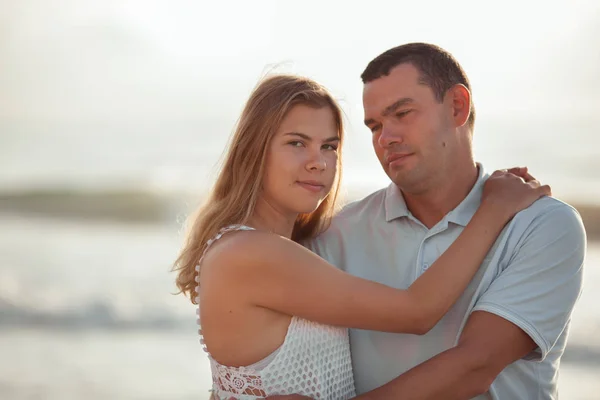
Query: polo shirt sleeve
(542, 280)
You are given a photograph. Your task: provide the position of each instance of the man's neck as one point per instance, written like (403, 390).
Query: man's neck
(443, 196)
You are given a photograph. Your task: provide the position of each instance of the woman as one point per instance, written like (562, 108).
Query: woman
(274, 314)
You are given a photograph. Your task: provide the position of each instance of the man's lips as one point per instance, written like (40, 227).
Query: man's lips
(390, 158)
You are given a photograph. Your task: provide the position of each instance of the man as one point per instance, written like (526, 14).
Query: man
(505, 336)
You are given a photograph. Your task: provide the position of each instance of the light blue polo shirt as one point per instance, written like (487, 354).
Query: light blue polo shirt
(532, 277)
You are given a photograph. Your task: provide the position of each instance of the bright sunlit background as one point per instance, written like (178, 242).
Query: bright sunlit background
(114, 115)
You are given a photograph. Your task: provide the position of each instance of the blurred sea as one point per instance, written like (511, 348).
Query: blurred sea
(90, 224)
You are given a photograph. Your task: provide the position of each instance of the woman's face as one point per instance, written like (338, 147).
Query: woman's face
(302, 160)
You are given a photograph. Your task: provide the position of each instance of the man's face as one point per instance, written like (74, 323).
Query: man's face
(414, 135)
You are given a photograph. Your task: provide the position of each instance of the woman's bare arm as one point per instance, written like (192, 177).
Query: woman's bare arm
(270, 271)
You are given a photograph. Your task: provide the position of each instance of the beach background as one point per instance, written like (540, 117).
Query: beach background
(113, 119)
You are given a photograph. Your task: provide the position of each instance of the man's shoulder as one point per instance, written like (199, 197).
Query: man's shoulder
(356, 215)
(551, 213)
(549, 228)
(372, 205)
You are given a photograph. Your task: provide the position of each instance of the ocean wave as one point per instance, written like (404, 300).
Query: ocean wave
(97, 315)
(125, 206)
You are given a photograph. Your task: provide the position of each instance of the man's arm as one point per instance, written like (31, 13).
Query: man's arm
(488, 344)
(525, 308)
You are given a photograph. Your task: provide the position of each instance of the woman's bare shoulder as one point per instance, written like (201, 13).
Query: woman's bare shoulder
(243, 249)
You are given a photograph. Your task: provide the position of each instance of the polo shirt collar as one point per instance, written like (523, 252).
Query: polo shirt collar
(395, 206)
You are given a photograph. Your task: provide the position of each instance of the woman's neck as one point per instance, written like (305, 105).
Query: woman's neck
(270, 219)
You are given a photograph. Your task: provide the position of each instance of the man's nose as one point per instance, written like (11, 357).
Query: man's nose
(389, 136)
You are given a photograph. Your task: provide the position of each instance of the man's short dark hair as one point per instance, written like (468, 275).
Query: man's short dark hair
(437, 68)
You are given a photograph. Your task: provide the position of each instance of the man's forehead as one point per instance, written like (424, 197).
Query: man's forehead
(390, 96)
(402, 82)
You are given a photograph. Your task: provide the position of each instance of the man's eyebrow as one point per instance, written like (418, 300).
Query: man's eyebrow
(396, 105)
(369, 121)
(391, 109)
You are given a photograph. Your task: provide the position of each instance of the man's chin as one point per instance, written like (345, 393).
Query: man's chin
(400, 176)
(407, 181)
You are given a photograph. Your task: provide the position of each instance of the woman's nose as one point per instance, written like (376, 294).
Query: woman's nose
(317, 163)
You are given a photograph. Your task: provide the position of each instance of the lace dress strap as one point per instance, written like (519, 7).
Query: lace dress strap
(222, 231)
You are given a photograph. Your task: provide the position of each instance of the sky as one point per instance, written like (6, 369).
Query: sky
(83, 59)
(86, 67)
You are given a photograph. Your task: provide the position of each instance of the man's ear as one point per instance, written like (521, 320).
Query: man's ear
(459, 98)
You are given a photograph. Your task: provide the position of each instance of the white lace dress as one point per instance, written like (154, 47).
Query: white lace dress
(314, 361)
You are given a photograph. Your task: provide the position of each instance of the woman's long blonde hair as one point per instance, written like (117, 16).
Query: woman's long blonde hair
(234, 195)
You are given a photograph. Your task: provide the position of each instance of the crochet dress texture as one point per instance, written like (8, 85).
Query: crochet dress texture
(314, 361)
